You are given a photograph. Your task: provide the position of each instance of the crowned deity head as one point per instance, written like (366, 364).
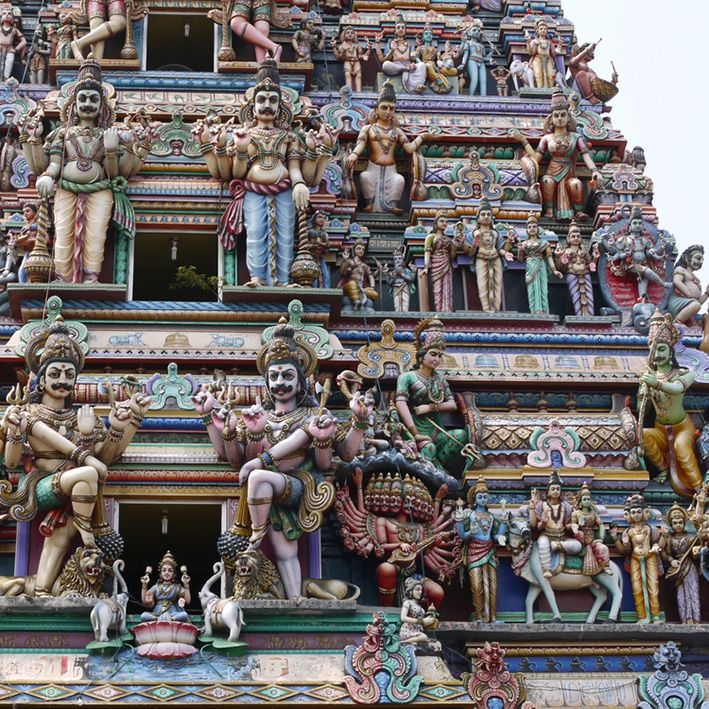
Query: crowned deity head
(542, 28)
(584, 501)
(662, 337)
(573, 236)
(560, 116)
(265, 105)
(286, 362)
(413, 588)
(532, 226)
(479, 495)
(88, 102)
(554, 486)
(677, 518)
(430, 338)
(484, 214)
(636, 510)
(167, 568)
(55, 359)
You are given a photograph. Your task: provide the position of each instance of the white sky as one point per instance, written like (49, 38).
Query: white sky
(658, 49)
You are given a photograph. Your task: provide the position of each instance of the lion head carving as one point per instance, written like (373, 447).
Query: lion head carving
(255, 576)
(83, 573)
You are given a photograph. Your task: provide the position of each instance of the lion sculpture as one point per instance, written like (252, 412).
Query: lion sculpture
(256, 577)
(82, 576)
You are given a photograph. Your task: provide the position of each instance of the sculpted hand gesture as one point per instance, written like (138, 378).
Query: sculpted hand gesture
(255, 417)
(139, 404)
(119, 418)
(86, 420)
(359, 407)
(110, 139)
(204, 400)
(322, 427)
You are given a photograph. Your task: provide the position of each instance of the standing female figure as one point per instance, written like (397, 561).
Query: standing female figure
(439, 257)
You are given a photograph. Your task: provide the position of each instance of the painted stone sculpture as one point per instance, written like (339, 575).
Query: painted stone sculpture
(417, 621)
(687, 296)
(423, 394)
(480, 531)
(399, 522)
(562, 193)
(12, 42)
(85, 164)
(401, 280)
(357, 280)
(351, 54)
(319, 245)
(577, 264)
(283, 450)
(474, 59)
(267, 168)
(641, 543)
(306, 39)
(166, 597)
(542, 56)
(585, 79)
(65, 450)
(537, 256)
(382, 186)
(106, 19)
(682, 553)
(489, 248)
(438, 261)
(399, 58)
(669, 444)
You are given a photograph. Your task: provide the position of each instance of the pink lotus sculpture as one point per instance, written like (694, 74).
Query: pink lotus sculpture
(165, 640)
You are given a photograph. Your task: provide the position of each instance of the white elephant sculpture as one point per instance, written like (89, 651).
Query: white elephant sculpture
(110, 613)
(521, 72)
(220, 612)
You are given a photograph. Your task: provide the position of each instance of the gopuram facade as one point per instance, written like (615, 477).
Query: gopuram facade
(344, 359)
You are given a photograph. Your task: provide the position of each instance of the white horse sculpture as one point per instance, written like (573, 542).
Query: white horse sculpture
(526, 563)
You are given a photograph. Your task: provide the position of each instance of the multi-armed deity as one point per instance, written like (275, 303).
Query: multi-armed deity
(382, 186)
(283, 450)
(268, 172)
(85, 164)
(65, 452)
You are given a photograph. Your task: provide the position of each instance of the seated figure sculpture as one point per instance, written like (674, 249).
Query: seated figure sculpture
(382, 186)
(65, 451)
(283, 450)
(166, 596)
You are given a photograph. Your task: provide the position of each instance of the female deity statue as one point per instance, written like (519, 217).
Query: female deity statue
(382, 186)
(423, 394)
(588, 528)
(541, 50)
(64, 35)
(562, 191)
(85, 163)
(319, 245)
(399, 60)
(536, 253)
(415, 620)
(427, 54)
(166, 596)
(642, 543)
(578, 264)
(682, 553)
(489, 248)
(438, 260)
(352, 55)
(64, 451)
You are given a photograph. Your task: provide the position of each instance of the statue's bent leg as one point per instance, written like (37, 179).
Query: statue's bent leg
(392, 68)
(368, 181)
(572, 547)
(684, 453)
(544, 547)
(99, 207)
(549, 186)
(81, 486)
(262, 487)
(285, 224)
(256, 221)
(65, 219)
(656, 448)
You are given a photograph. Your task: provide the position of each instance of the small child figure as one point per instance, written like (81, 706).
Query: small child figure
(501, 75)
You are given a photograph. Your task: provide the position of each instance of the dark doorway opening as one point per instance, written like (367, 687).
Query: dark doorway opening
(155, 271)
(180, 43)
(192, 532)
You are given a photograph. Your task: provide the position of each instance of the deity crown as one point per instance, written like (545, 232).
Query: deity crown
(559, 101)
(89, 76)
(54, 344)
(663, 329)
(168, 559)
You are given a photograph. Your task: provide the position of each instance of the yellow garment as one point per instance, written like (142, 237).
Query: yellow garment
(657, 451)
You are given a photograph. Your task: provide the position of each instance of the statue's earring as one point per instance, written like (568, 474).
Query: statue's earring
(40, 387)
